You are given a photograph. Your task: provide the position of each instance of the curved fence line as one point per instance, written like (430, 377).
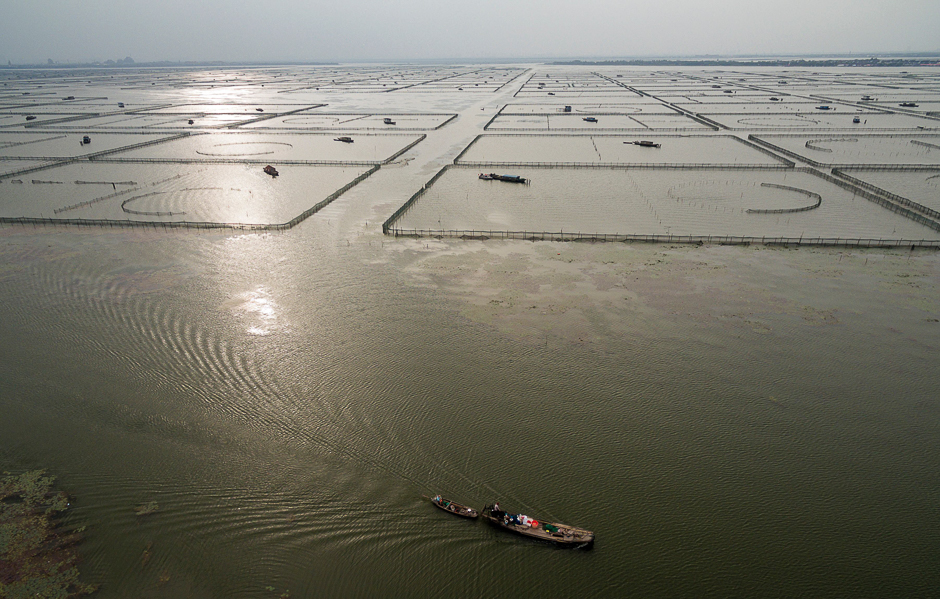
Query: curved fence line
(102, 223)
(805, 192)
(684, 239)
(811, 144)
(389, 229)
(116, 194)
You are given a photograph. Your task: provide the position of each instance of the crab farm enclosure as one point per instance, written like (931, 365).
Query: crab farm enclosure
(749, 153)
(247, 382)
(734, 156)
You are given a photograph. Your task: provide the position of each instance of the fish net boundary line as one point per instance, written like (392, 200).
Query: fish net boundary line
(559, 236)
(785, 162)
(809, 134)
(627, 165)
(901, 200)
(168, 225)
(388, 227)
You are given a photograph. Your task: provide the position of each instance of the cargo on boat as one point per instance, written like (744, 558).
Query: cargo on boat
(506, 178)
(454, 508)
(552, 532)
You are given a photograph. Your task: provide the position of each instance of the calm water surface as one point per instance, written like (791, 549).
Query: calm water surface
(730, 421)
(288, 398)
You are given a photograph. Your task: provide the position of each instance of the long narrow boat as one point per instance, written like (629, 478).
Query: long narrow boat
(454, 508)
(506, 178)
(553, 532)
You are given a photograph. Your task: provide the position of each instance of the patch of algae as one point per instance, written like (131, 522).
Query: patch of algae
(37, 556)
(532, 291)
(581, 292)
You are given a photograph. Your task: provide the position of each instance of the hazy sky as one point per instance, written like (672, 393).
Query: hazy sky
(312, 30)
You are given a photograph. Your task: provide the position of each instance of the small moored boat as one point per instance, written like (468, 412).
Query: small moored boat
(506, 178)
(388, 121)
(454, 508)
(590, 119)
(270, 170)
(345, 139)
(644, 143)
(553, 532)
(856, 120)
(86, 140)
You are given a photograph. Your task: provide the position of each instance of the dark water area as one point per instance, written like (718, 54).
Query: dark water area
(287, 399)
(263, 414)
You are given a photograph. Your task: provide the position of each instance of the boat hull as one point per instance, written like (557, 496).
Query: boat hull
(456, 509)
(564, 536)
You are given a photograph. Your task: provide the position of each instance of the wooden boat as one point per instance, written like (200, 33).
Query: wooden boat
(30, 118)
(644, 143)
(590, 119)
(506, 178)
(454, 508)
(345, 139)
(388, 121)
(552, 532)
(270, 170)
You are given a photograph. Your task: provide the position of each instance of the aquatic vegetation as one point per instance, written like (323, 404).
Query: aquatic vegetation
(146, 509)
(37, 553)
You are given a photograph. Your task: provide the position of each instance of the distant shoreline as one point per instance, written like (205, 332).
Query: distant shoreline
(164, 64)
(929, 61)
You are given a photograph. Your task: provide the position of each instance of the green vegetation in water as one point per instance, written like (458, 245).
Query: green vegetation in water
(37, 556)
(146, 509)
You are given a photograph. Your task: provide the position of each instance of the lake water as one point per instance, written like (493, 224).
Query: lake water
(729, 421)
